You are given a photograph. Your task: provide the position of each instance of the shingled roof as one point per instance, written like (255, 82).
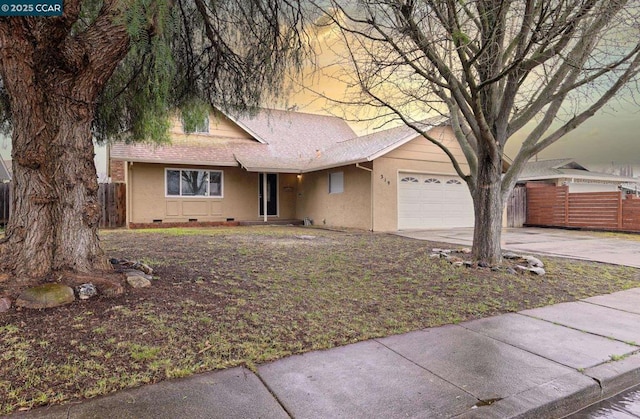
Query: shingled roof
(370, 147)
(290, 142)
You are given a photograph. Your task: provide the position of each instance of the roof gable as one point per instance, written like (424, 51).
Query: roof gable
(372, 146)
(302, 130)
(285, 142)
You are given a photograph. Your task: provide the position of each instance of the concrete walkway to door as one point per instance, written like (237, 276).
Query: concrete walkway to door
(615, 248)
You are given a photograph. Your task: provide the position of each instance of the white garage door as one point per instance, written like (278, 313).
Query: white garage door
(433, 201)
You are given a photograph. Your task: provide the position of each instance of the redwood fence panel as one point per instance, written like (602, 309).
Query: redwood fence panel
(546, 205)
(631, 213)
(554, 206)
(111, 197)
(594, 210)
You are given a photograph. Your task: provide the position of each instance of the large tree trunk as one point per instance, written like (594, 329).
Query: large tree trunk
(53, 80)
(55, 212)
(488, 210)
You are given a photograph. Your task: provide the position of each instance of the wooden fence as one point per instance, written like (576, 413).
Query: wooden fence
(111, 197)
(554, 206)
(517, 207)
(113, 200)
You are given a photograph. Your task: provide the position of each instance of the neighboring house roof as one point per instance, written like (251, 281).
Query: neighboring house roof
(566, 169)
(285, 142)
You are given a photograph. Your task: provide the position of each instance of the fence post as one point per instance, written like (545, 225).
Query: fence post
(566, 205)
(620, 220)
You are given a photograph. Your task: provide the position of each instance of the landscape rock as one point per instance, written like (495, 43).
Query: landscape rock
(533, 261)
(137, 281)
(46, 296)
(86, 291)
(468, 263)
(483, 264)
(437, 250)
(537, 270)
(454, 259)
(110, 289)
(533, 270)
(130, 272)
(305, 237)
(5, 304)
(465, 250)
(511, 271)
(457, 264)
(124, 264)
(511, 255)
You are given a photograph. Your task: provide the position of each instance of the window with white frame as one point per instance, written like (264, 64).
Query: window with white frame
(193, 182)
(336, 182)
(202, 127)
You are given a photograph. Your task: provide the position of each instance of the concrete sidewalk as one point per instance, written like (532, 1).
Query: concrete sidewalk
(619, 249)
(540, 363)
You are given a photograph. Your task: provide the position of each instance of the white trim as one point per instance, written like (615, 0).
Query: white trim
(333, 165)
(421, 172)
(128, 180)
(182, 162)
(363, 168)
(245, 128)
(166, 195)
(271, 170)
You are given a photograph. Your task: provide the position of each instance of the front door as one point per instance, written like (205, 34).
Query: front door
(272, 193)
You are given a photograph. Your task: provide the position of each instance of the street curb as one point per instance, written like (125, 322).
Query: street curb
(567, 394)
(553, 399)
(616, 376)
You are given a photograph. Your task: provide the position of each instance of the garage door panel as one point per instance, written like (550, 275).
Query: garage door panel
(433, 201)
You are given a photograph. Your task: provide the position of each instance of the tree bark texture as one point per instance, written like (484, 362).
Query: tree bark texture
(488, 210)
(53, 89)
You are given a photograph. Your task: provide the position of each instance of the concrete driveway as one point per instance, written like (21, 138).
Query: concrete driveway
(618, 249)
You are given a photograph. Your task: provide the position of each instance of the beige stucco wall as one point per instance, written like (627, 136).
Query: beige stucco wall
(351, 208)
(306, 195)
(240, 196)
(417, 155)
(219, 126)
